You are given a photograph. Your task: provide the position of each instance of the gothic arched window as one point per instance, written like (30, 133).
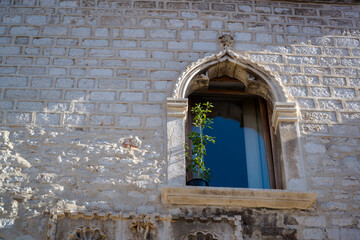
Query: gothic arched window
(228, 75)
(256, 82)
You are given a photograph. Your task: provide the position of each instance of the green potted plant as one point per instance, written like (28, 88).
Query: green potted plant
(199, 140)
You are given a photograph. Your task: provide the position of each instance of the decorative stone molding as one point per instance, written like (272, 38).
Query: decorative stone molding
(201, 236)
(237, 197)
(183, 85)
(233, 219)
(87, 233)
(177, 107)
(284, 112)
(55, 215)
(143, 227)
(110, 215)
(207, 230)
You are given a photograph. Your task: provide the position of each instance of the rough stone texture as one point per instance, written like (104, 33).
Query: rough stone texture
(82, 104)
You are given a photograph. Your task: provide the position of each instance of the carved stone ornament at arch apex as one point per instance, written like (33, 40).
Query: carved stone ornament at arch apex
(257, 80)
(87, 233)
(226, 40)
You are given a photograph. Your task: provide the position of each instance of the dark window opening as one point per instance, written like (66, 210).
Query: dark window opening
(242, 155)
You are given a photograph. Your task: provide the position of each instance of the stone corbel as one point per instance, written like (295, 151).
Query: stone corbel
(177, 107)
(284, 112)
(84, 233)
(143, 227)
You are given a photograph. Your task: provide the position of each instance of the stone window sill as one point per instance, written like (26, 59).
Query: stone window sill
(237, 197)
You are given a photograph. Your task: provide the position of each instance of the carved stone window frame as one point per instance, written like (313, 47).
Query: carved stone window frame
(257, 80)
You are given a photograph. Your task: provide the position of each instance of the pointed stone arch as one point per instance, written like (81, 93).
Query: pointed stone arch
(257, 80)
(233, 65)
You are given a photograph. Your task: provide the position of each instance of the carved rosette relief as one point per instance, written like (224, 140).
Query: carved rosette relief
(143, 227)
(87, 233)
(226, 40)
(201, 236)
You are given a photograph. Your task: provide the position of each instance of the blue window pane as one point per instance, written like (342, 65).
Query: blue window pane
(227, 158)
(238, 158)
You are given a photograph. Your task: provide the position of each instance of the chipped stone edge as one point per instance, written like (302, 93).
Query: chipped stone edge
(237, 197)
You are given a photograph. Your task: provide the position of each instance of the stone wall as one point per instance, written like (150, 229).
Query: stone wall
(83, 113)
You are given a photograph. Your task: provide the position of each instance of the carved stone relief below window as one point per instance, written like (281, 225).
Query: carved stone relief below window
(143, 227)
(87, 233)
(94, 225)
(201, 236)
